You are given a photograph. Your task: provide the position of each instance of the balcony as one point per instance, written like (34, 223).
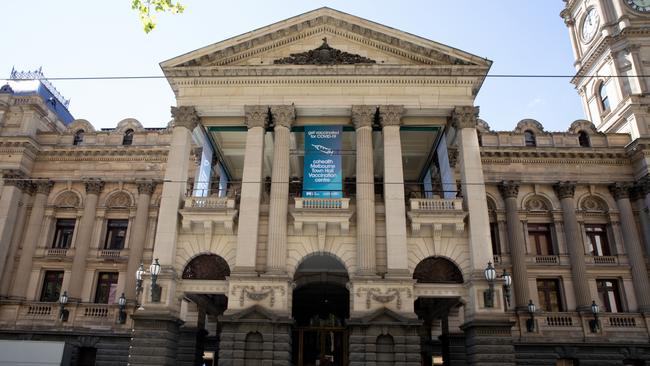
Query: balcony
(207, 212)
(548, 259)
(321, 212)
(56, 252)
(602, 260)
(436, 212)
(81, 315)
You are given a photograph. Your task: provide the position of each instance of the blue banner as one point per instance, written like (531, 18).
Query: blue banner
(322, 176)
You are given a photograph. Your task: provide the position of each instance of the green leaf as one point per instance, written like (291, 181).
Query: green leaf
(146, 7)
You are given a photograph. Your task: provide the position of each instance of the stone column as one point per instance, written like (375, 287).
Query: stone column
(138, 235)
(28, 191)
(362, 117)
(32, 236)
(84, 234)
(9, 199)
(509, 190)
(575, 246)
(620, 191)
(643, 205)
(257, 118)
(173, 190)
(395, 208)
(283, 117)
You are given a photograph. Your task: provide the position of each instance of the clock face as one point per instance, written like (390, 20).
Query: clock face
(639, 5)
(590, 24)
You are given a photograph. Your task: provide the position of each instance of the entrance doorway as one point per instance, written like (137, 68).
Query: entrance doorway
(321, 308)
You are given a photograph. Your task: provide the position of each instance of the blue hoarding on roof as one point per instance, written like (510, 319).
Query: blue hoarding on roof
(322, 168)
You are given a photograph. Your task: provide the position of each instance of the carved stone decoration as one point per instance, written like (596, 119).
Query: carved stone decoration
(67, 199)
(324, 55)
(509, 188)
(391, 294)
(620, 190)
(256, 115)
(363, 115)
(536, 203)
(94, 186)
(464, 117)
(644, 183)
(206, 267)
(593, 204)
(437, 270)
(256, 295)
(197, 154)
(391, 115)
(13, 177)
(119, 200)
(453, 156)
(529, 124)
(43, 186)
(146, 187)
(283, 115)
(185, 116)
(565, 189)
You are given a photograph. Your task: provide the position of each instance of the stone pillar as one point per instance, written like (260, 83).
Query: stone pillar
(32, 235)
(154, 340)
(509, 190)
(395, 208)
(575, 246)
(84, 234)
(643, 205)
(28, 191)
(471, 177)
(173, 190)
(138, 235)
(283, 117)
(251, 189)
(11, 193)
(362, 117)
(620, 191)
(489, 343)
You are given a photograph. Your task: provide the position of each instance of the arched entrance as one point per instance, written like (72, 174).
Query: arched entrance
(320, 308)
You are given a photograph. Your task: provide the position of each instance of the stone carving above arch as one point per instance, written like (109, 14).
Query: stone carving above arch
(437, 270)
(67, 199)
(593, 204)
(583, 125)
(119, 199)
(537, 203)
(80, 124)
(529, 125)
(206, 267)
(128, 123)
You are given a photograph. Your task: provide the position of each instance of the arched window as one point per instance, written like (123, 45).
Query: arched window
(604, 99)
(207, 267)
(128, 137)
(529, 138)
(437, 270)
(583, 139)
(78, 137)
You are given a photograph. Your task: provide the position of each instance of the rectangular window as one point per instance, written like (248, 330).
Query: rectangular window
(63, 233)
(116, 234)
(106, 287)
(548, 291)
(598, 244)
(609, 295)
(539, 236)
(52, 282)
(494, 235)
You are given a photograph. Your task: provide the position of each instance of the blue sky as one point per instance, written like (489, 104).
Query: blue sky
(78, 38)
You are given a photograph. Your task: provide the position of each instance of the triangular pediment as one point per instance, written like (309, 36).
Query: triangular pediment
(325, 37)
(384, 316)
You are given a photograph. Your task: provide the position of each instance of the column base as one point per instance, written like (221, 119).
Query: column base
(489, 342)
(155, 339)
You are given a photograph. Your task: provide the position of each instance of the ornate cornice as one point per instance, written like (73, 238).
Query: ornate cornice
(43, 186)
(108, 153)
(391, 115)
(94, 185)
(499, 155)
(363, 115)
(146, 187)
(185, 116)
(324, 55)
(509, 188)
(464, 117)
(565, 189)
(620, 190)
(256, 115)
(283, 115)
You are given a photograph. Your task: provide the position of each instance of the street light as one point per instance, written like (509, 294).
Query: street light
(122, 314)
(138, 279)
(530, 323)
(63, 312)
(491, 275)
(154, 269)
(594, 324)
(507, 281)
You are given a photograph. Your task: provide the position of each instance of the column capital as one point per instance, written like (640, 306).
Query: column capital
(185, 116)
(509, 188)
(637, 192)
(565, 189)
(464, 117)
(620, 190)
(94, 186)
(146, 187)
(256, 115)
(283, 115)
(14, 178)
(391, 115)
(363, 115)
(43, 186)
(644, 184)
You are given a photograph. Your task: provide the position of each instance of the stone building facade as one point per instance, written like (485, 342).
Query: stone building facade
(256, 269)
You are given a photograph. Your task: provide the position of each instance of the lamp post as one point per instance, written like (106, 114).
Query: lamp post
(594, 324)
(530, 323)
(122, 314)
(138, 279)
(154, 269)
(63, 312)
(507, 281)
(490, 275)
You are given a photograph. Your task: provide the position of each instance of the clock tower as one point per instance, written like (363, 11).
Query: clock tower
(611, 47)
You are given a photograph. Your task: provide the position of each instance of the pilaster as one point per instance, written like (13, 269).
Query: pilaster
(11, 194)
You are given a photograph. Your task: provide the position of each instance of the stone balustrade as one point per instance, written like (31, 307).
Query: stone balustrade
(436, 204)
(322, 203)
(209, 203)
(436, 212)
(81, 315)
(209, 212)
